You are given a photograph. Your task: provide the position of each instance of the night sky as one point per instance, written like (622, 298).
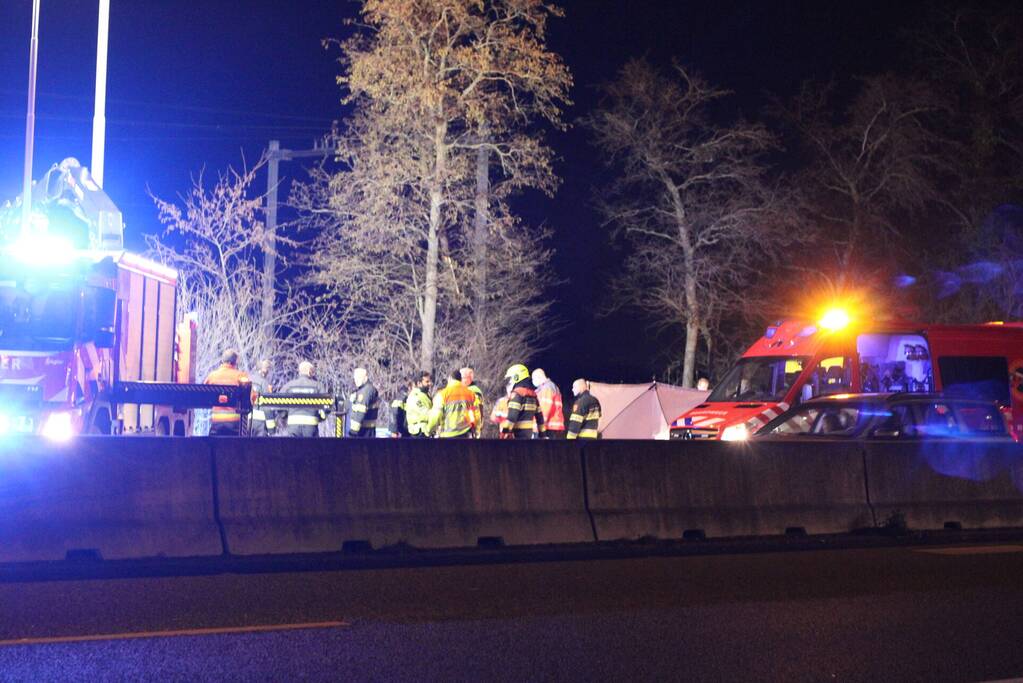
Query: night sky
(199, 84)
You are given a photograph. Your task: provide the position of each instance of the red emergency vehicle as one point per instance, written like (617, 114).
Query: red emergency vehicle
(797, 360)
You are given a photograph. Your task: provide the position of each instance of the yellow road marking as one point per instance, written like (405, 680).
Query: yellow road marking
(175, 633)
(973, 550)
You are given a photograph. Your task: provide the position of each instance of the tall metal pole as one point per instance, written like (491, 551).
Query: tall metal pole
(30, 120)
(99, 120)
(270, 248)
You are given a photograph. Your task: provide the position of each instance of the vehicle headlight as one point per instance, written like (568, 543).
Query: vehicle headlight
(58, 427)
(739, 432)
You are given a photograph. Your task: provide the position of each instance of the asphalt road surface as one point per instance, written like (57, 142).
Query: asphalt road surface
(928, 614)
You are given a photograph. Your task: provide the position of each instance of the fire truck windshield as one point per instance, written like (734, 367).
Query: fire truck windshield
(37, 321)
(765, 379)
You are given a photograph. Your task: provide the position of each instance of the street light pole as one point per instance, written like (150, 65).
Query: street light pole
(99, 120)
(30, 120)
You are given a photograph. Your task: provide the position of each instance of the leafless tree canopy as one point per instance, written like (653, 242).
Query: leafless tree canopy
(689, 197)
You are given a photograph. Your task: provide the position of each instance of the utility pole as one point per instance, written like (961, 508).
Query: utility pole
(275, 155)
(30, 120)
(99, 120)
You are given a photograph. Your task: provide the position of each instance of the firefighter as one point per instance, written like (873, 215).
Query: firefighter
(226, 420)
(304, 420)
(262, 423)
(418, 406)
(469, 380)
(524, 416)
(397, 418)
(363, 407)
(549, 396)
(454, 414)
(585, 419)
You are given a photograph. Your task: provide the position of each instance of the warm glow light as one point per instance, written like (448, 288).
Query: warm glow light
(739, 432)
(58, 427)
(42, 249)
(834, 319)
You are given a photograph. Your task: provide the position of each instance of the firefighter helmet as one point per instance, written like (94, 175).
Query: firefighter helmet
(517, 373)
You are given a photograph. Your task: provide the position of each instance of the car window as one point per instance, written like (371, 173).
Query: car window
(800, 422)
(980, 420)
(837, 421)
(936, 419)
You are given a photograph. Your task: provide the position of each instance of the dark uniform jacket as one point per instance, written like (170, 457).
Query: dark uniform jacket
(304, 416)
(524, 412)
(585, 417)
(363, 411)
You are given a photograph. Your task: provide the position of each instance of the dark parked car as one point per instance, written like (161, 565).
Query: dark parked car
(889, 416)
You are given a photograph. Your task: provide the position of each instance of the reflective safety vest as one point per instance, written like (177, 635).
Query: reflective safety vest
(524, 413)
(549, 396)
(226, 375)
(585, 420)
(455, 412)
(478, 393)
(303, 416)
(417, 411)
(260, 386)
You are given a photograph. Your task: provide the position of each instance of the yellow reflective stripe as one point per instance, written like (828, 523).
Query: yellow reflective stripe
(457, 432)
(226, 417)
(293, 400)
(258, 414)
(513, 405)
(588, 433)
(576, 417)
(593, 415)
(359, 406)
(271, 424)
(527, 424)
(303, 420)
(572, 435)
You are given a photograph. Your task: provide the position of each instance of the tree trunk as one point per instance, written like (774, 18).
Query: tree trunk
(692, 331)
(429, 320)
(480, 232)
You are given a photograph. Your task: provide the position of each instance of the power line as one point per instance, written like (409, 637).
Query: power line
(183, 107)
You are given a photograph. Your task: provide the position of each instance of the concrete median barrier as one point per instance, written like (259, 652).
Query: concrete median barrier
(325, 495)
(946, 484)
(693, 489)
(106, 497)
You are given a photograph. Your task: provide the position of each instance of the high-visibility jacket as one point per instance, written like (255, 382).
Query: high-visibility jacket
(549, 396)
(454, 411)
(524, 412)
(417, 411)
(304, 416)
(585, 417)
(478, 393)
(363, 411)
(227, 375)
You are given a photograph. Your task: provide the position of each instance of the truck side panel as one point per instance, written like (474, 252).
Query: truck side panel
(150, 316)
(132, 286)
(165, 334)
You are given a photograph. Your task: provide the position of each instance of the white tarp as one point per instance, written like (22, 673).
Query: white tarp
(642, 411)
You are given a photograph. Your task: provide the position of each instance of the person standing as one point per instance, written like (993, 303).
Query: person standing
(469, 380)
(549, 395)
(524, 416)
(585, 420)
(226, 420)
(454, 414)
(304, 421)
(262, 422)
(418, 406)
(364, 407)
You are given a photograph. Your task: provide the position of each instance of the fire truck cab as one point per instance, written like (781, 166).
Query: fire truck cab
(797, 360)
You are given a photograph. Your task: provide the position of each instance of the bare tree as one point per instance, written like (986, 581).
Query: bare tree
(418, 245)
(689, 197)
(214, 237)
(430, 76)
(868, 172)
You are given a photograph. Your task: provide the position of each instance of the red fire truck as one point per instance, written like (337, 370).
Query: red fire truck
(797, 360)
(89, 335)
